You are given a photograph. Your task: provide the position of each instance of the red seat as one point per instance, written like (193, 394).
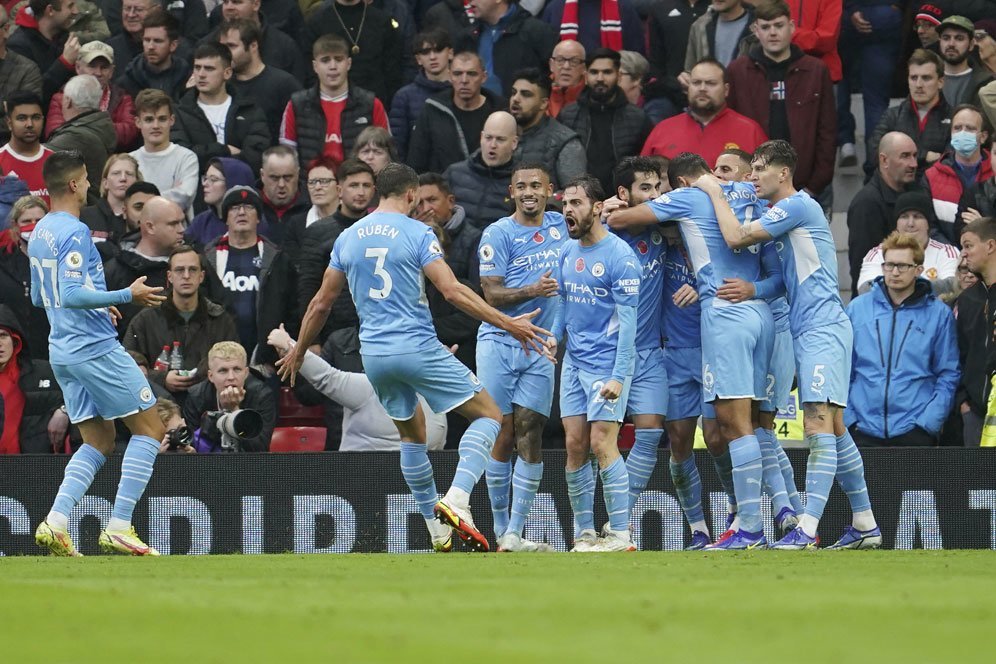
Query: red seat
(290, 412)
(627, 437)
(298, 439)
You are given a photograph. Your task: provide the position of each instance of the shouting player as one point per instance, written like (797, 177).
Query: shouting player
(100, 381)
(384, 258)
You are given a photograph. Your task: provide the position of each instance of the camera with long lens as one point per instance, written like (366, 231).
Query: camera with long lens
(231, 428)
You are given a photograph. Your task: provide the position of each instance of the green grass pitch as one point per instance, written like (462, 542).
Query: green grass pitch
(875, 606)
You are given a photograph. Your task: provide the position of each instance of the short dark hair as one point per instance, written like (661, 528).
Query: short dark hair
(141, 188)
(975, 109)
(590, 185)
(22, 98)
(743, 155)
(923, 56)
(433, 37)
(777, 153)
(604, 53)
(467, 53)
(38, 7)
(533, 76)
(708, 60)
(59, 169)
(248, 30)
(395, 180)
(983, 227)
(624, 174)
(769, 10)
(435, 180)
(532, 166)
(353, 166)
(184, 249)
(686, 165)
(213, 49)
(160, 18)
(329, 44)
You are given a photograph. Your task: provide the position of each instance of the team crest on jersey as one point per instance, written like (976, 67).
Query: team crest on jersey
(74, 259)
(597, 269)
(931, 274)
(579, 265)
(486, 252)
(538, 237)
(642, 247)
(656, 237)
(145, 395)
(554, 233)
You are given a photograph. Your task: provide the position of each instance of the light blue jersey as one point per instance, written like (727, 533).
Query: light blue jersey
(64, 260)
(521, 254)
(649, 247)
(593, 281)
(711, 258)
(681, 324)
(809, 261)
(382, 256)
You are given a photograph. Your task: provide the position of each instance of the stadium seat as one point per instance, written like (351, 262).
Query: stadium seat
(291, 413)
(627, 437)
(298, 439)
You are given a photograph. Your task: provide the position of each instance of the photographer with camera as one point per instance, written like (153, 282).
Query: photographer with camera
(233, 410)
(178, 436)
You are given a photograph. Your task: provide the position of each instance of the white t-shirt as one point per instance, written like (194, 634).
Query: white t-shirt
(217, 115)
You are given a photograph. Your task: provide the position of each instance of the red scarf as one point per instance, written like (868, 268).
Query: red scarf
(13, 401)
(610, 24)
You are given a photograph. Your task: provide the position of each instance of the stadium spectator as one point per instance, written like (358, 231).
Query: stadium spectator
(106, 217)
(97, 59)
(541, 138)
(962, 80)
(327, 119)
(171, 167)
(870, 215)
(127, 35)
(708, 125)
(723, 33)
(986, 197)
(256, 276)
(610, 127)
(904, 370)
(172, 419)
(324, 194)
(158, 67)
(376, 148)
(17, 73)
(366, 426)
(508, 38)
(221, 174)
(449, 127)
(24, 155)
(668, 28)
(280, 187)
(799, 107)
(915, 217)
(213, 123)
(956, 178)
(924, 116)
(480, 182)
(597, 24)
(870, 39)
(34, 420)
(15, 272)
(190, 15)
(160, 231)
(371, 41)
(817, 31)
(567, 75)
(187, 317)
(269, 87)
(985, 41)
(433, 53)
(229, 386)
(276, 48)
(633, 68)
(86, 129)
(926, 21)
(43, 37)
(340, 335)
(437, 205)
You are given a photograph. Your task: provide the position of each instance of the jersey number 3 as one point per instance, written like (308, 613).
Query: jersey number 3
(380, 253)
(49, 267)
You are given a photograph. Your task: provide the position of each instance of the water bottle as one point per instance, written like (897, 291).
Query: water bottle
(176, 359)
(162, 362)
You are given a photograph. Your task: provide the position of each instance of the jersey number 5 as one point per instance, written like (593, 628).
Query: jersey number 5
(51, 267)
(380, 253)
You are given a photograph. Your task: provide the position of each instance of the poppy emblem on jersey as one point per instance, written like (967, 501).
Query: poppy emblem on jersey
(554, 233)
(75, 260)
(145, 395)
(642, 247)
(487, 252)
(579, 265)
(656, 237)
(597, 269)
(538, 237)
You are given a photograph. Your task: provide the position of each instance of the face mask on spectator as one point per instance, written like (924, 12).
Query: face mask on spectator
(964, 142)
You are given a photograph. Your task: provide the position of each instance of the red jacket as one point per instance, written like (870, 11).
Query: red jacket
(683, 133)
(809, 102)
(817, 28)
(950, 196)
(119, 106)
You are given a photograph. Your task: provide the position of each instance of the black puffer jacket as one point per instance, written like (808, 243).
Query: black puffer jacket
(437, 139)
(245, 129)
(481, 189)
(931, 135)
(630, 125)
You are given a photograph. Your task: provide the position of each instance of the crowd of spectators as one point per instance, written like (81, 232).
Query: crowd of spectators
(229, 142)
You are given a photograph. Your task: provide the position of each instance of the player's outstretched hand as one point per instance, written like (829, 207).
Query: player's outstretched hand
(735, 290)
(115, 315)
(685, 296)
(546, 286)
(527, 334)
(290, 364)
(611, 390)
(550, 349)
(708, 183)
(146, 296)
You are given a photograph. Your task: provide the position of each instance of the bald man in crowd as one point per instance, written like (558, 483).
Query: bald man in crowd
(480, 183)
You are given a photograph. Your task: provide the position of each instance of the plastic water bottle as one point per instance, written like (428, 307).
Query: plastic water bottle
(176, 359)
(162, 362)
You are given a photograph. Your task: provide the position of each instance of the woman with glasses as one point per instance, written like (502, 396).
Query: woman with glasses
(221, 174)
(324, 194)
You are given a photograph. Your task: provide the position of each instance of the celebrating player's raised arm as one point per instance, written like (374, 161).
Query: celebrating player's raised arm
(497, 294)
(737, 235)
(622, 218)
(313, 321)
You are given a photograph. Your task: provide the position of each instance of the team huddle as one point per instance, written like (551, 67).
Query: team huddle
(663, 307)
